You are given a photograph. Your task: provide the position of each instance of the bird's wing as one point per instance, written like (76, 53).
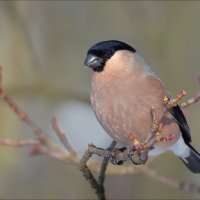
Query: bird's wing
(179, 116)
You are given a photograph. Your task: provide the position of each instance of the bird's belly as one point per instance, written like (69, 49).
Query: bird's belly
(123, 117)
(121, 114)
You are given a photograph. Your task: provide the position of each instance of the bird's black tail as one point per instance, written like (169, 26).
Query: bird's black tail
(193, 160)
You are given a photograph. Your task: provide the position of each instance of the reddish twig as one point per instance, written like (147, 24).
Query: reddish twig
(43, 145)
(169, 103)
(179, 185)
(191, 101)
(61, 135)
(41, 135)
(18, 143)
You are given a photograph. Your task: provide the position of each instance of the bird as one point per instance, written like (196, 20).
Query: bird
(124, 89)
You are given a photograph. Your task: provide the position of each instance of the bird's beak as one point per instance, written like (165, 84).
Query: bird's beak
(92, 61)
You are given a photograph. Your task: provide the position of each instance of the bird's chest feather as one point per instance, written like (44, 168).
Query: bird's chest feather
(124, 105)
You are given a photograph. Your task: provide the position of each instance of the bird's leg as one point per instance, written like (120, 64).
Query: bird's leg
(169, 103)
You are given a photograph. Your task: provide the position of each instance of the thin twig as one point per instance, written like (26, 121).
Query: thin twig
(43, 145)
(98, 185)
(88, 175)
(61, 135)
(179, 185)
(18, 143)
(42, 136)
(191, 101)
(104, 165)
(169, 103)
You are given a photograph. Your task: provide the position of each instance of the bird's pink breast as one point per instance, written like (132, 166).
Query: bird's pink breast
(123, 106)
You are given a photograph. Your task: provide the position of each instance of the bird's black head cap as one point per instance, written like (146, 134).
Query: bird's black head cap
(99, 53)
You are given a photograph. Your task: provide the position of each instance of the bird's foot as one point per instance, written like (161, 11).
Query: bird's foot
(116, 156)
(138, 157)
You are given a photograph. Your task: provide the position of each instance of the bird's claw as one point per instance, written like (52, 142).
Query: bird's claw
(115, 156)
(138, 157)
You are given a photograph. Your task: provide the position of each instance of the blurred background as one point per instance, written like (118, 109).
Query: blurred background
(42, 48)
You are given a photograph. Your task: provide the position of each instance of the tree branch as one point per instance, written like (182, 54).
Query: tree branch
(179, 185)
(62, 135)
(19, 143)
(43, 145)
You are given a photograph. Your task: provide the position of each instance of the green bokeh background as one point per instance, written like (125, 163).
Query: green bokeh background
(42, 48)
